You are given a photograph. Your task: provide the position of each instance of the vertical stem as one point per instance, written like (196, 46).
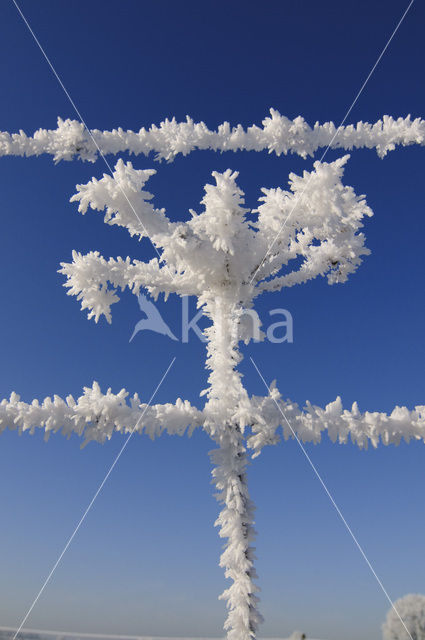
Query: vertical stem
(227, 399)
(236, 524)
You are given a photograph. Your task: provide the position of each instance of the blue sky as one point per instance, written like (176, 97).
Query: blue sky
(145, 561)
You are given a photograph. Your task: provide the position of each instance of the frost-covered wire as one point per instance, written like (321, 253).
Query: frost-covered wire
(278, 134)
(95, 416)
(339, 424)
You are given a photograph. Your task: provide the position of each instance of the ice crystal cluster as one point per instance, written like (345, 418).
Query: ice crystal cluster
(226, 255)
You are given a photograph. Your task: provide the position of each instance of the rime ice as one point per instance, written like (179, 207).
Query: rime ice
(226, 256)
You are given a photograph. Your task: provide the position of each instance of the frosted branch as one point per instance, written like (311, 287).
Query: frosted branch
(319, 220)
(126, 203)
(95, 281)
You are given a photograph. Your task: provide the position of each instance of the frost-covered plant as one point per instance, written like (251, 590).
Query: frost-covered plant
(411, 626)
(226, 256)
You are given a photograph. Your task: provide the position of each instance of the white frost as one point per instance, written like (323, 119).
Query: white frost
(278, 135)
(225, 255)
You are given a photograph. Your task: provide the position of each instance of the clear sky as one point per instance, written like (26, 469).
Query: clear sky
(145, 561)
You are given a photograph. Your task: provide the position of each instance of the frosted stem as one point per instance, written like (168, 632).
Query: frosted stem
(236, 524)
(226, 398)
